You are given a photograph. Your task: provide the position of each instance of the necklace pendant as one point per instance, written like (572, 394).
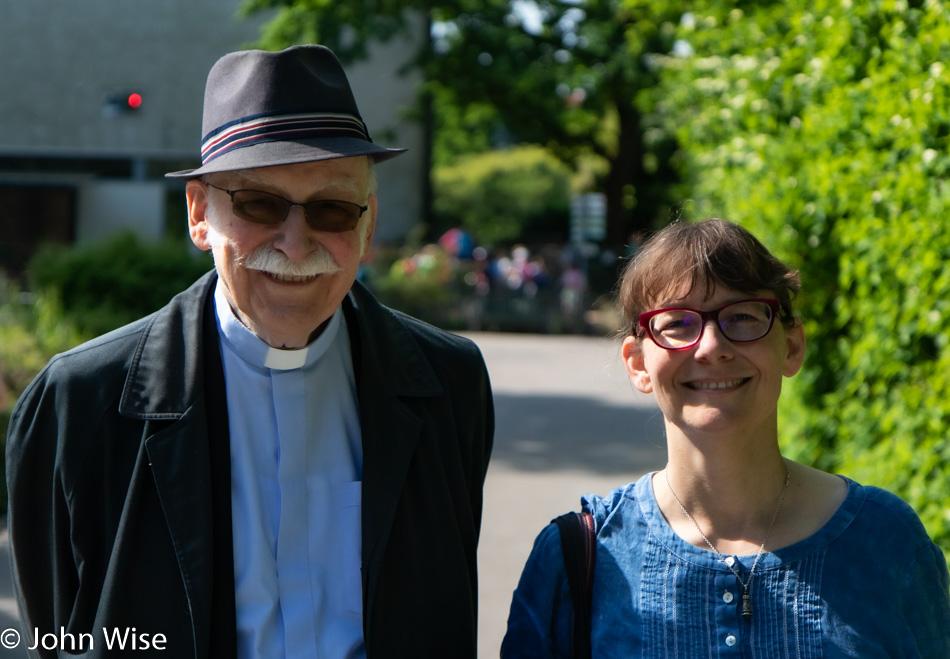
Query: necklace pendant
(746, 605)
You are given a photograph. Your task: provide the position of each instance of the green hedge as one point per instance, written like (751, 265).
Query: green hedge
(106, 285)
(823, 127)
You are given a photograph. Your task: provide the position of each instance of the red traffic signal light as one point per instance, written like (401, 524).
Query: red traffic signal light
(122, 102)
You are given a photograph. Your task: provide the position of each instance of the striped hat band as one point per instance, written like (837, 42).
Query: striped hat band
(283, 128)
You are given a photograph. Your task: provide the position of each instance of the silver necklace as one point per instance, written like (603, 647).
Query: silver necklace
(746, 592)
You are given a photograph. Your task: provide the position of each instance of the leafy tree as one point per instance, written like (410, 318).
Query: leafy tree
(823, 126)
(571, 76)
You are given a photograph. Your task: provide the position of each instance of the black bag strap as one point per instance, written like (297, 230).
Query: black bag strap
(577, 545)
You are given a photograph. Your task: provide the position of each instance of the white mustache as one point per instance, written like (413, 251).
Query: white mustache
(268, 259)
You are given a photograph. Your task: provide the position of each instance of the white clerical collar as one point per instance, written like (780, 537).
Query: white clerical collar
(285, 360)
(247, 345)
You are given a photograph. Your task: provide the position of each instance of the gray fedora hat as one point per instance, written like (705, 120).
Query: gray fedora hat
(278, 108)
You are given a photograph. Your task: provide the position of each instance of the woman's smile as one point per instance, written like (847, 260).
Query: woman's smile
(709, 385)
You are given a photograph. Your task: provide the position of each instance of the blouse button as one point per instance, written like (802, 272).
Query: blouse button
(727, 597)
(730, 561)
(730, 640)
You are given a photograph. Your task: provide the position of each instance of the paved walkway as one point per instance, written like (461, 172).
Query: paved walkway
(567, 423)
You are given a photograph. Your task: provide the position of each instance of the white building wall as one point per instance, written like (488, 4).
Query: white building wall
(385, 96)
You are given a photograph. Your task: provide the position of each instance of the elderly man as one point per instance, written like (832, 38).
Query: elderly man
(274, 464)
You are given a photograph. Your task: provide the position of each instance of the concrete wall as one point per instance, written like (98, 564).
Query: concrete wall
(60, 61)
(385, 96)
(109, 206)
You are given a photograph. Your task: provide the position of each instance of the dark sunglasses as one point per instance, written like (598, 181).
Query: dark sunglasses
(261, 207)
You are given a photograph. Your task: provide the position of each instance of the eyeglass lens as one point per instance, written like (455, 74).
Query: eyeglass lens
(743, 321)
(323, 215)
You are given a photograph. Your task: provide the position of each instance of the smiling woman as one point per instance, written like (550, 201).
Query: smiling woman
(731, 548)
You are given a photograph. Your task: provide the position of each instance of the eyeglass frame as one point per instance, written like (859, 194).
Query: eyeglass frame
(291, 204)
(775, 306)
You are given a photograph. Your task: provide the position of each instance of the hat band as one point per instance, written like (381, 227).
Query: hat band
(281, 128)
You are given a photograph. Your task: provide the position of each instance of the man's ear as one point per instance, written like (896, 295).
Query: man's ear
(632, 352)
(196, 200)
(367, 234)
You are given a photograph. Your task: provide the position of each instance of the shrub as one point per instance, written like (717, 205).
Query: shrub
(504, 196)
(32, 329)
(105, 285)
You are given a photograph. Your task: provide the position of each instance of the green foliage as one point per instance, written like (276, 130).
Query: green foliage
(32, 329)
(461, 130)
(105, 285)
(572, 77)
(823, 127)
(504, 196)
(345, 27)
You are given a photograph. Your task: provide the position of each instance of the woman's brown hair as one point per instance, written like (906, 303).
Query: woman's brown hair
(682, 256)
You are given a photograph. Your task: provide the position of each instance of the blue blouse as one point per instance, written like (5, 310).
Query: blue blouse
(869, 584)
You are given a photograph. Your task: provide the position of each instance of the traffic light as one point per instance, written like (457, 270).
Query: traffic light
(123, 102)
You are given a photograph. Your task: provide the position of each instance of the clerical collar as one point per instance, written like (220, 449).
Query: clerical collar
(247, 345)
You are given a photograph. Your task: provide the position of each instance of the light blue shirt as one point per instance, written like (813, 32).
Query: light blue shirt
(296, 466)
(869, 584)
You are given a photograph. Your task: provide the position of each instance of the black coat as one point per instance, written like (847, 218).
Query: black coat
(117, 468)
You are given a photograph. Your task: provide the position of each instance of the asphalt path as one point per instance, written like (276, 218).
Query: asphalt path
(568, 422)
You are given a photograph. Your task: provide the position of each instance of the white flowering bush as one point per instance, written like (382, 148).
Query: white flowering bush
(823, 127)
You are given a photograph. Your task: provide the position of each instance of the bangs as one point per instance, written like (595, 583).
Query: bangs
(683, 258)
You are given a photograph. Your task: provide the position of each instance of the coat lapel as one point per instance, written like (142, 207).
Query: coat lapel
(165, 389)
(390, 368)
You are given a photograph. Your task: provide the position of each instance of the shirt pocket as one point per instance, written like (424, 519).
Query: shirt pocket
(350, 496)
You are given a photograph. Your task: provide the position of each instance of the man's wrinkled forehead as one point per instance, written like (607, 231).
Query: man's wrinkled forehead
(337, 174)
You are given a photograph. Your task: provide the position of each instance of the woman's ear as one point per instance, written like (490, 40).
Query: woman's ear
(632, 352)
(795, 349)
